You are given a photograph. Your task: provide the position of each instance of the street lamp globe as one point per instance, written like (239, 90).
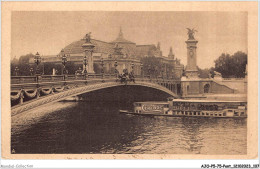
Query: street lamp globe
(102, 65)
(85, 63)
(31, 71)
(132, 65)
(37, 58)
(37, 61)
(64, 61)
(16, 71)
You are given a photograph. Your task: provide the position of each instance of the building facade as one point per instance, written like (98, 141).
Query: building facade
(124, 53)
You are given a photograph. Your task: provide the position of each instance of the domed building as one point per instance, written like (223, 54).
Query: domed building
(125, 53)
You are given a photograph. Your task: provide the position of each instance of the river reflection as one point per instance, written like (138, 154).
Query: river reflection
(80, 127)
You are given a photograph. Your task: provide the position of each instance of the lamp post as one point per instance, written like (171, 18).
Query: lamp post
(167, 71)
(31, 71)
(64, 61)
(162, 74)
(132, 66)
(37, 61)
(149, 71)
(163, 71)
(102, 67)
(141, 66)
(16, 70)
(115, 68)
(156, 71)
(85, 63)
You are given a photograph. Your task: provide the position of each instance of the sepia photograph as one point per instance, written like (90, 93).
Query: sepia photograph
(129, 82)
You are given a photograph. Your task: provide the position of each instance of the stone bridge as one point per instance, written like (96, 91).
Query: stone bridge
(28, 92)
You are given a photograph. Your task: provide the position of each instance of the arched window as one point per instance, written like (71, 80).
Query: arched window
(206, 88)
(188, 88)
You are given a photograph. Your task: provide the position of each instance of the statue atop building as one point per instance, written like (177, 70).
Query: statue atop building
(191, 33)
(117, 51)
(217, 76)
(116, 46)
(217, 73)
(88, 37)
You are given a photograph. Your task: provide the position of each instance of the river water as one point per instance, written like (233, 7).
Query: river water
(82, 127)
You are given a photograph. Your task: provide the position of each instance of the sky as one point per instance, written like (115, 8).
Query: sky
(49, 32)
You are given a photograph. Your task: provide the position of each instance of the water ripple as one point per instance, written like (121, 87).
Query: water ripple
(89, 128)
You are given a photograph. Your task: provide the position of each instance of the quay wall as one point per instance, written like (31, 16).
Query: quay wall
(221, 88)
(204, 86)
(239, 84)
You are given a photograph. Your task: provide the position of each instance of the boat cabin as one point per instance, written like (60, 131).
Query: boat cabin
(151, 107)
(208, 108)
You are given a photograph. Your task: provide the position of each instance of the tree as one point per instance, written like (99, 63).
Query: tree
(24, 59)
(14, 63)
(231, 66)
(22, 64)
(203, 73)
(48, 68)
(153, 66)
(71, 67)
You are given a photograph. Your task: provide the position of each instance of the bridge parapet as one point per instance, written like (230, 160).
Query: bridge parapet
(51, 78)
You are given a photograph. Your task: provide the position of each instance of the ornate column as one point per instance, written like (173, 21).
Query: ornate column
(89, 48)
(191, 69)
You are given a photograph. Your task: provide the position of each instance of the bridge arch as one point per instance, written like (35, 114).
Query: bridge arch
(81, 90)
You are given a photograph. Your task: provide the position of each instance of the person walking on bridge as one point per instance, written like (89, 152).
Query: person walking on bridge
(132, 77)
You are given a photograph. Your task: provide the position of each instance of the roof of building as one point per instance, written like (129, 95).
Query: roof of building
(105, 47)
(144, 50)
(121, 39)
(100, 47)
(129, 49)
(171, 55)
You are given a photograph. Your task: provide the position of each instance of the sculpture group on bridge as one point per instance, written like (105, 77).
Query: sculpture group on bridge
(125, 77)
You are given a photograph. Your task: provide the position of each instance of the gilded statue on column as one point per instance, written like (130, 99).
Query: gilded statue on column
(191, 33)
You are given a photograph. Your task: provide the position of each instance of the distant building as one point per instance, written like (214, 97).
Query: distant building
(124, 52)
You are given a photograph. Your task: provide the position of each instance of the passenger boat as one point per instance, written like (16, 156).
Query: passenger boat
(191, 108)
(149, 109)
(207, 108)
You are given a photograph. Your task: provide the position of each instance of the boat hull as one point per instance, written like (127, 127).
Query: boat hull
(174, 115)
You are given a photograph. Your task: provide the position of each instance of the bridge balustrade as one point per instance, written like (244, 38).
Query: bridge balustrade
(23, 79)
(91, 77)
(47, 78)
(75, 77)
